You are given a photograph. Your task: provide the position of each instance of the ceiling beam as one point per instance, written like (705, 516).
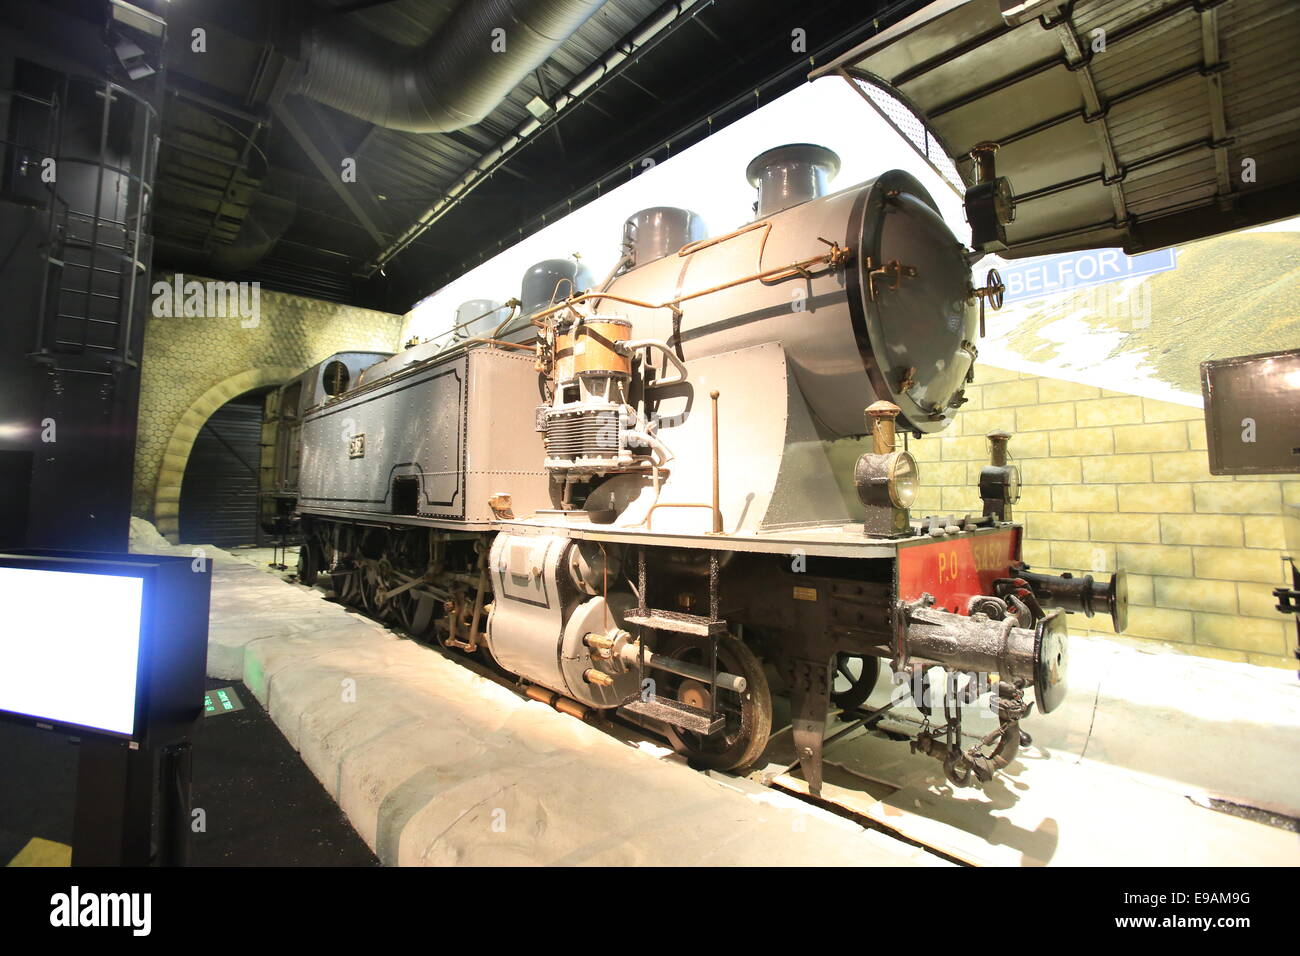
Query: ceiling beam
(1094, 111)
(1211, 56)
(318, 141)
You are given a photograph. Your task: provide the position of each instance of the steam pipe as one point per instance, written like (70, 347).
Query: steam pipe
(622, 53)
(469, 66)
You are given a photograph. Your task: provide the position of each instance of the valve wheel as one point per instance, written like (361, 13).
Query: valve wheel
(748, 716)
(997, 289)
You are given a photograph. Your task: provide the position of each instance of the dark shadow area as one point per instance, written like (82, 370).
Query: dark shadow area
(219, 494)
(262, 806)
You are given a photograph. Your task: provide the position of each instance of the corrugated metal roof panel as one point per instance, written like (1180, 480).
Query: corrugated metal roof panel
(1120, 123)
(405, 167)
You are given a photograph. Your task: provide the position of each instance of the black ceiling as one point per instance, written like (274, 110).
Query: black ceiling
(241, 187)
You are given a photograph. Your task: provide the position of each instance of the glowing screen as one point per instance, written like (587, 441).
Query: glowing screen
(69, 647)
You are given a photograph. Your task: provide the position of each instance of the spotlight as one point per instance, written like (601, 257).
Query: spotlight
(133, 59)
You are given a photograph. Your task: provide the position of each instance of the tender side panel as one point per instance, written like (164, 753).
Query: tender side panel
(504, 452)
(407, 435)
(955, 569)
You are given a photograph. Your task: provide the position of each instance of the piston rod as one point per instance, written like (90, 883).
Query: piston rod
(631, 654)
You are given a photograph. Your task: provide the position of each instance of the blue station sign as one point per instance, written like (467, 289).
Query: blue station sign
(1028, 279)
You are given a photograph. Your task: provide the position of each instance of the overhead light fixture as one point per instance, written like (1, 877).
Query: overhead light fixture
(539, 108)
(133, 59)
(128, 14)
(1016, 12)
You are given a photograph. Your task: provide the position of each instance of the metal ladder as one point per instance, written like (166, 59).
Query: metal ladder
(85, 323)
(709, 628)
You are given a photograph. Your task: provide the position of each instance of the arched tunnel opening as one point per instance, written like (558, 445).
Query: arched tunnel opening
(219, 494)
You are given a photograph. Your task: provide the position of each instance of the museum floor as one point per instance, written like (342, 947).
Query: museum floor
(1156, 759)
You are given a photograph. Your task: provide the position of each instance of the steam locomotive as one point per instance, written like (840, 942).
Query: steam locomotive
(625, 494)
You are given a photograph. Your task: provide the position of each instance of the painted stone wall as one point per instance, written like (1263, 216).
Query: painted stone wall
(193, 365)
(1115, 480)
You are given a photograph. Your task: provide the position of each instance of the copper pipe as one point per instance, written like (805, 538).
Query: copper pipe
(511, 305)
(717, 507)
(515, 305)
(837, 256)
(571, 707)
(594, 296)
(700, 244)
(504, 345)
(538, 693)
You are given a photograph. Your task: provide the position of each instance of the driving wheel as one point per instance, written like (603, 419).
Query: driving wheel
(747, 716)
(854, 678)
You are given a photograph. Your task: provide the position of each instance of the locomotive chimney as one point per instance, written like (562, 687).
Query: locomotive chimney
(789, 175)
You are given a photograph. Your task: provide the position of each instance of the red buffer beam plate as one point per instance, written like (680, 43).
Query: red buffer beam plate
(956, 568)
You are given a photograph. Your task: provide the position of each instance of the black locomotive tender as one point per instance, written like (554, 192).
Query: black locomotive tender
(624, 493)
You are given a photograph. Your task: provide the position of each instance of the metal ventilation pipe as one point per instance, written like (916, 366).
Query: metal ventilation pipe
(788, 175)
(454, 80)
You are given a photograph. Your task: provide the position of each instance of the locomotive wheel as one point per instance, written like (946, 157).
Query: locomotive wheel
(308, 563)
(347, 587)
(748, 716)
(423, 612)
(853, 679)
(402, 608)
(369, 584)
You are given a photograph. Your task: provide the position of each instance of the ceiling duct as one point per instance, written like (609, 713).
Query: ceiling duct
(270, 214)
(454, 80)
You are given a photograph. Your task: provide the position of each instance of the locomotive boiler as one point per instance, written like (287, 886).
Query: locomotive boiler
(623, 492)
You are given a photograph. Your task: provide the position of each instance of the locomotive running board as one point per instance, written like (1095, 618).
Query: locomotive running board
(668, 711)
(676, 622)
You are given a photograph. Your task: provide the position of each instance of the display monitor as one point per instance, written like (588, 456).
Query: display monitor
(1252, 413)
(103, 643)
